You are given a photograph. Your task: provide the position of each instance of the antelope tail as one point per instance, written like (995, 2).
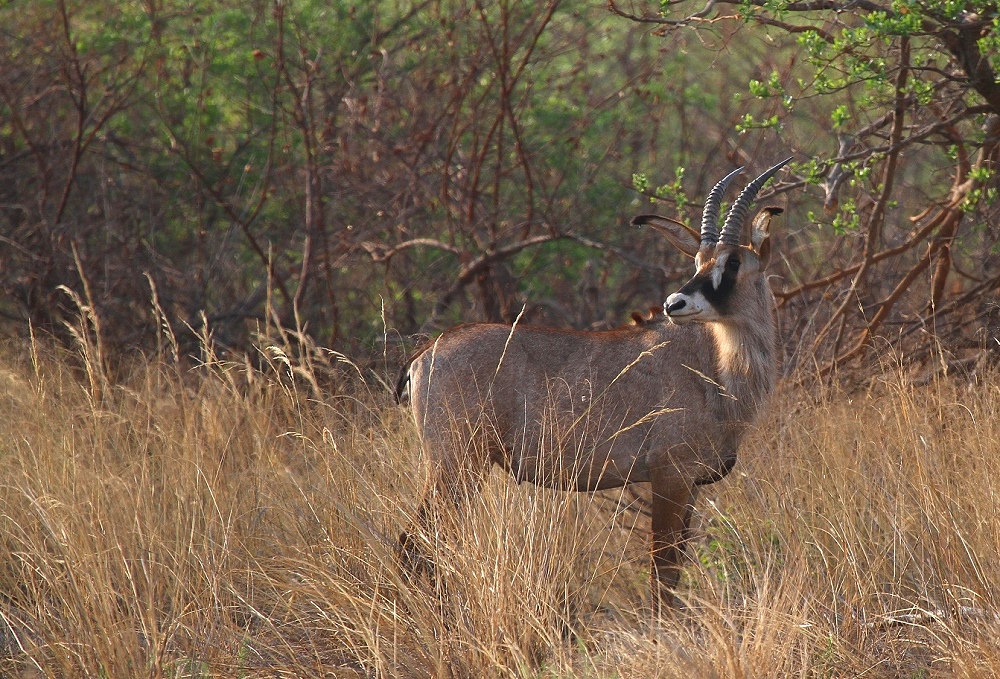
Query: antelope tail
(402, 391)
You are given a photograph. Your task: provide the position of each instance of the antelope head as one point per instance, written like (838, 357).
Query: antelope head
(729, 264)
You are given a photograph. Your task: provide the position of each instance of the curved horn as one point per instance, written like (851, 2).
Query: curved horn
(710, 217)
(732, 230)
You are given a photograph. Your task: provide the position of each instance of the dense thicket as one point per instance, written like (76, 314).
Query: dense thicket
(366, 172)
(906, 164)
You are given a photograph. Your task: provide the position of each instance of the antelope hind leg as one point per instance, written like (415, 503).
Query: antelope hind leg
(449, 488)
(412, 557)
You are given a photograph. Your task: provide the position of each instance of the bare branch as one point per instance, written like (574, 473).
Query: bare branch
(618, 252)
(657, 19)
(796, 28)
(380, 254)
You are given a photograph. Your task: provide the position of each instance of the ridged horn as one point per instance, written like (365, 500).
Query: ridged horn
(710, 217)
(732, 229)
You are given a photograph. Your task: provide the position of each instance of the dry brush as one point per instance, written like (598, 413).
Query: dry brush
(223, 520)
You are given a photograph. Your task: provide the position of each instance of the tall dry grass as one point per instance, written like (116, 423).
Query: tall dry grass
(233, 521)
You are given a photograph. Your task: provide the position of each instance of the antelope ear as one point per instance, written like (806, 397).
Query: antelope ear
(762, 225)
(760, 233)
(683, 237)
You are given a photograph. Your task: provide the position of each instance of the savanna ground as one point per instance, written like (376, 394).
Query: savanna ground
(236, 521)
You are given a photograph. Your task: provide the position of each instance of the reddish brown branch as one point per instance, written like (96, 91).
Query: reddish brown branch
(877, 216)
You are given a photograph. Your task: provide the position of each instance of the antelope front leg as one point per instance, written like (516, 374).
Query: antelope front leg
(673, 498)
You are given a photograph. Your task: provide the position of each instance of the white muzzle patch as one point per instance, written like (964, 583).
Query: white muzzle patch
(681, 308)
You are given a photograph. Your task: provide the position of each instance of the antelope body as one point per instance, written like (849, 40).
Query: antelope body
(665, 401)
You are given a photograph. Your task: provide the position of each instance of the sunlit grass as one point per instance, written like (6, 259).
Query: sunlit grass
(238, 521)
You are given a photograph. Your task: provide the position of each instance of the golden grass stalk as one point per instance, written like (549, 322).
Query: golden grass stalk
(236, 521)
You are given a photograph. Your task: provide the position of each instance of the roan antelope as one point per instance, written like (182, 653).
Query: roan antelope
(663, 402)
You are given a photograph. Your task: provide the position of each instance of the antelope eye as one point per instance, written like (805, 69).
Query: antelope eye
(733, 264)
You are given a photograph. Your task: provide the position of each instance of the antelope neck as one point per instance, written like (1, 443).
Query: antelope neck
(746, 355)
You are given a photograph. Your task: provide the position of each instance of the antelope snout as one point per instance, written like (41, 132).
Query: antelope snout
(679, 307)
